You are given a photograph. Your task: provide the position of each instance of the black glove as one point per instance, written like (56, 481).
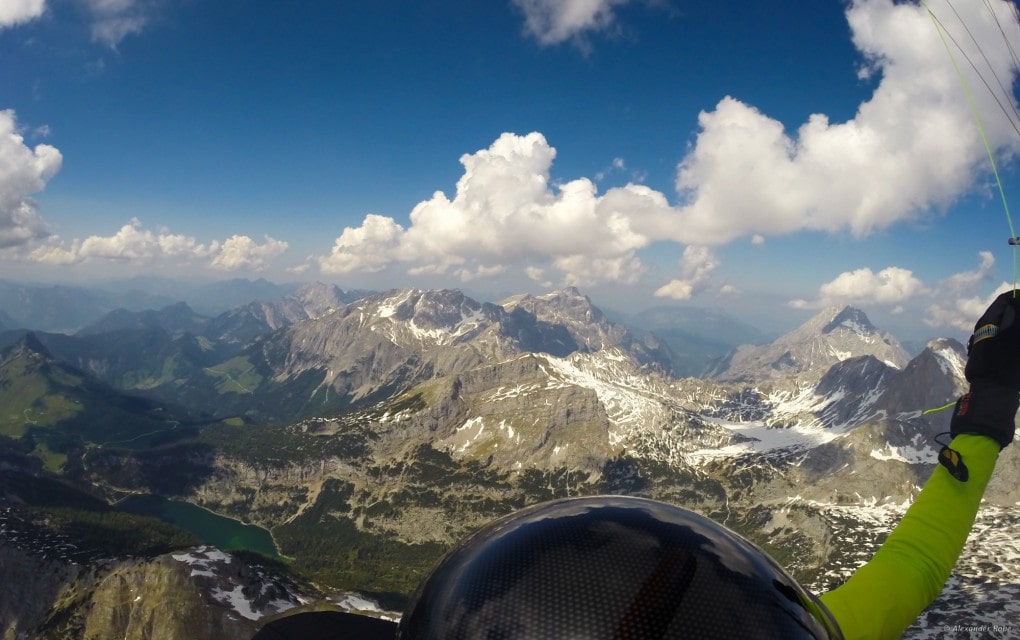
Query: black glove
(993, 370)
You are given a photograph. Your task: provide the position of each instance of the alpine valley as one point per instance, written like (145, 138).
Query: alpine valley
(369, 432)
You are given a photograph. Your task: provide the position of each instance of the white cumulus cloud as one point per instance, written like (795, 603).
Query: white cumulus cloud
(114, 20)
(370, 247)
(961, 312)
(582, 270)
(696, 265)
(556, 21)
(505, 211)
(13, 12)
(136, 245)
(889, 287)
(243, 253)
(132, 243)
(957, 300)
(110, 21)
(968, 281)
(23, 171)
(912, 148)
(676, 289)
(537, 274)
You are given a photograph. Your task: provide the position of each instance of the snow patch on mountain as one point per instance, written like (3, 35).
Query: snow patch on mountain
(388, 307)
(951, 360)
(446, 335)
(631, 403)
(840, 355)
(856, 327)
(253, 600)
(203, 560)
(237, 601)
(793, 404)
(915, 454)
(355, 603)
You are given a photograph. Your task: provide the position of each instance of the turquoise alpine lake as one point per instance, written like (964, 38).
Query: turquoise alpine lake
(210, 528)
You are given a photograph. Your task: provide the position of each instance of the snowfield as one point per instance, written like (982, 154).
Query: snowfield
(760, 438)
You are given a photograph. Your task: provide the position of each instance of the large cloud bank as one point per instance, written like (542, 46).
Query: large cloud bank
(909, 152)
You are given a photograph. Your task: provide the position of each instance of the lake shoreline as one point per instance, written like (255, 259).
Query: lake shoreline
(212, 528)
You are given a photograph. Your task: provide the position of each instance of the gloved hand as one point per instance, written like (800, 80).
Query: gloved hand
(993, 370)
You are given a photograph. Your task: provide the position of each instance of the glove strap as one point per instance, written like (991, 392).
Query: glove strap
(952, 460)
(983, 333)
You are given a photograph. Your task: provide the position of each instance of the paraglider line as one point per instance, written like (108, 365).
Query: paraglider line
(977, 44)
(937, 409)
(981, 130)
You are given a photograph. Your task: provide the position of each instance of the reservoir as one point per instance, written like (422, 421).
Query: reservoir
(210, 528)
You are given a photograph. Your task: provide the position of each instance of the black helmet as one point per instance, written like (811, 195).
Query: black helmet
(610, 567)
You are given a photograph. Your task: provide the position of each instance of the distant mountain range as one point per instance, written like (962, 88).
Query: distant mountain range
(67, 309)
(697, 337)
(370, 431)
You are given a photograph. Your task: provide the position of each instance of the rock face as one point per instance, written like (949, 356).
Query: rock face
(518, 415)
(932, 379)
(29, 587)
(852, 387)
(834, 335)
(200, 593)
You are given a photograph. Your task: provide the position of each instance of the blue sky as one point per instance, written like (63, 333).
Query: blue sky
(762, 158)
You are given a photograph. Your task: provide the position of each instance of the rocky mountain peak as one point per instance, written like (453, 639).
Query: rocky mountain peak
(29, 346)
(313, 300)
(848, 318)
(949, 355)
(588, 327)
(411, 335)
(442, 309)
(949, 350)
(833, 335)
(586, 323)
(317, 298)
(566, 304)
